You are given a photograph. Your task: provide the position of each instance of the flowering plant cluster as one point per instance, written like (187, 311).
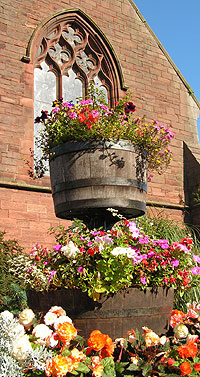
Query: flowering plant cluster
(104, 262)
(91, 119)
(52, 347)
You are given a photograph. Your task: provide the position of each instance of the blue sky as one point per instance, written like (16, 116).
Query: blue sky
(176, 23)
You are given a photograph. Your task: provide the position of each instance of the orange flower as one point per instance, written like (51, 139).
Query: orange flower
(59, 366)
(185, 368)
(108, 349)
(97, 370)
(176, 317)
(76, 356)
(66, 332)
(187, 350)
(197, 367)
(96, 340)
(101, 342)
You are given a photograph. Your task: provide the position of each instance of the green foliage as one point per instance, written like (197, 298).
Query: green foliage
(12, 293)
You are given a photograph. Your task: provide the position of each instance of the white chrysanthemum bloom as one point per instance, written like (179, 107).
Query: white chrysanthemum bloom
(6, 315)
(61, 319)
(26, 318)
(122, 250)
(70, 250)
(41, 331)
(181, 331)
(21, 348)
(50, 318)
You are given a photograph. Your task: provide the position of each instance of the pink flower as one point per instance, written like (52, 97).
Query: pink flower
(175, 263)
(86, 102)
(196, 258)
(143, 280)
(195, 270)
(56, 110)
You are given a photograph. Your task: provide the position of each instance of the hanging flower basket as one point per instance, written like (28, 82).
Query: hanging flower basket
(89, 177)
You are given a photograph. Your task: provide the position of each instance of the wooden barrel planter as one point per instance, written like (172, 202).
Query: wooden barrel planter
(114, 315)
(89, 177)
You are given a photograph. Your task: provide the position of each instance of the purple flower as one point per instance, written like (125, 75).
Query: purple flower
(57, 247)
(143, 280)
(195, 270)
(144, 240)
(196, 258)
(46, 262)
(80, 269)
(175, 263)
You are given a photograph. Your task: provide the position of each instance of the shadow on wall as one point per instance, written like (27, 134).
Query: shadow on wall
(192, 184)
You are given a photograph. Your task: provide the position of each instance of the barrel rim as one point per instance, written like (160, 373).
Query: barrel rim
(80, 145)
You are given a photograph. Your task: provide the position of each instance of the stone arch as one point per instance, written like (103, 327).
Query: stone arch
(71, 40)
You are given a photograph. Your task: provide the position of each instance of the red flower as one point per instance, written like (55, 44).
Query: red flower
(187, 350)
(170, 361)
(185, 368)
(197, 367)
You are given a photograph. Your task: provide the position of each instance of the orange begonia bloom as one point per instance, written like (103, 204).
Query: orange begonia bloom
(96, 340)
(187, 350)
(101, 342)
(97, 370)
(185, 368)
(66, 332)
(59, 366)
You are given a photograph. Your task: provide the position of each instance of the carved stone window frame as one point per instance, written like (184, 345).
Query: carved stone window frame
(88, 52)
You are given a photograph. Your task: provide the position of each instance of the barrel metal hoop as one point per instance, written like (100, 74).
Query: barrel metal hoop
(88, 182)
(91, 204)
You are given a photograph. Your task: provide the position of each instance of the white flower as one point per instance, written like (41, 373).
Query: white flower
(21, 348)
(163, 340)
(122, 250)
(42, 331)
(53, 340)
(26, 318)
(50, 318)
(58, 310)
(62, 319)
(181, 331)
(6, 315)
(70, 250)
(151, 338)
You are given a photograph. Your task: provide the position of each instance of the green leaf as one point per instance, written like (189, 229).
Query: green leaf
(146, 369)
(82, 368)
(133, 367)
(120, 367)
(109, 367)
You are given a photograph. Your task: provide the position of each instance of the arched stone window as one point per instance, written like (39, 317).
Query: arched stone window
(67, 52)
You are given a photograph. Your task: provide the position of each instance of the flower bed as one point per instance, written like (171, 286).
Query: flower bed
(105, 262)
(51, 346)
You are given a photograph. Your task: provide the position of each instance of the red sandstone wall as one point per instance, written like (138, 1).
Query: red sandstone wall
(158, 91)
